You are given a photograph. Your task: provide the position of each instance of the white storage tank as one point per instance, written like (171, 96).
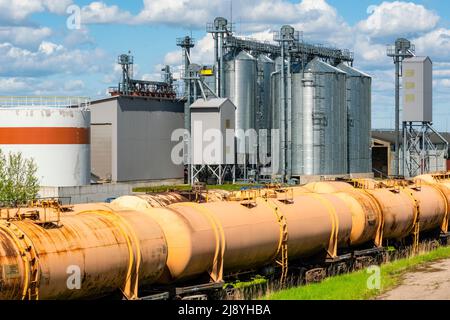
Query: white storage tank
(54, 132)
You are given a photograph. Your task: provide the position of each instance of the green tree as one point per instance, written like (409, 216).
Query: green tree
(18, 181)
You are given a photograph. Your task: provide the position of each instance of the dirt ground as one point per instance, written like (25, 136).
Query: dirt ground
(429, 282)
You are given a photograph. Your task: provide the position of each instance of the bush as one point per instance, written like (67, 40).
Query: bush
(18, 181)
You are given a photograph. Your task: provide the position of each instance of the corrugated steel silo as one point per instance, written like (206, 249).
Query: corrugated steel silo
(324, 115)
(241, 89)
(297, 124)
(277, 155)
(359, 105)
(266, 67)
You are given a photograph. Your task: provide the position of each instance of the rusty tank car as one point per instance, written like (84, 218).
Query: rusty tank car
(156, 241)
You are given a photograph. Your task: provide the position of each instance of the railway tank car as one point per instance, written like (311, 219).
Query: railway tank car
(107, 246)
(163, 241)
(201, 236)
(402, 208)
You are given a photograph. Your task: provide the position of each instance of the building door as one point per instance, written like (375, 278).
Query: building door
(101, 151)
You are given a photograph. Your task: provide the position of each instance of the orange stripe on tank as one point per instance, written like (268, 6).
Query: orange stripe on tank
(44, 135)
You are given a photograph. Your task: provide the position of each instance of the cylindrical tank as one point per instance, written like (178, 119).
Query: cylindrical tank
(359, 106)
(200, 235)
(442, 183)
(276, 135)
(101, 243)
(266, 67)
(366, 213)
(58, 139)
(324, 114)
(240, 86)
(297, 125)
(146, 201)
(398, 210)
(432, 206)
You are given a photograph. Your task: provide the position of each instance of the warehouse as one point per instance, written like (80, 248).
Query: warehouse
(131, 138)
(383, 143)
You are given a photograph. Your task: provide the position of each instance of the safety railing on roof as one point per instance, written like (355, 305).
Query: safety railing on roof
(44, 102)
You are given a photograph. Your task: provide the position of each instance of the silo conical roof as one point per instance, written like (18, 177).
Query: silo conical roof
(352, 72)
(244, 55)
(265, 59)
(318, 66)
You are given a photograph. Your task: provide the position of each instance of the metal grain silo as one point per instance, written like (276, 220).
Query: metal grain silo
(277, 152)
(266, 67)
(324, 114)
(359, 104)
(297, 124)
(241, 88)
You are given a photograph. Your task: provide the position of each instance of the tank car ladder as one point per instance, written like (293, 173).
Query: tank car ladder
(282, 253)
(415, 230)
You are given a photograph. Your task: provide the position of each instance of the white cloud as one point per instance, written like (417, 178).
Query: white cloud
(74, 85)
(37, 86)
(178, 12)
(393, 18)
(435, 43)
(444, 83)
(369, 53)
(18, 10)
(24, 36)
(100, 13)
(48, 59)
(48, 48)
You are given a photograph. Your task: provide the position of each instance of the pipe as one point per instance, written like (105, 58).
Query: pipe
(221, 67)
(283, 114)
(201, 89)
(217, 62)
(289, 121)
(397, 116)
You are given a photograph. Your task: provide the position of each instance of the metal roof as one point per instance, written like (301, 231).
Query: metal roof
(389, 136)
(418, 59)
(316, 65)
(351, 71)
(215, 103)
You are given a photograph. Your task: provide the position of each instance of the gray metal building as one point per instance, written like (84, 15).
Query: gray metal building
(418, 89)
(131, 138)
(210, 118)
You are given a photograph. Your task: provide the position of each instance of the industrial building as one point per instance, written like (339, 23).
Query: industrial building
(131, 138)
(308, 100)
(383, 154)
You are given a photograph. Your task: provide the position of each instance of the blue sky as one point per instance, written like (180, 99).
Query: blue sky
(40, 55)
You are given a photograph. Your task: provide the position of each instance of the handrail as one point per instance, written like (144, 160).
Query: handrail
(44, 101)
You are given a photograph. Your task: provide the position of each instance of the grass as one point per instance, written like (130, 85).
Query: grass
(186, 187)
(354, 286)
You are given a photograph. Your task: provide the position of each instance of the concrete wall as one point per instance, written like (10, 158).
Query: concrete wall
(98, 193)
